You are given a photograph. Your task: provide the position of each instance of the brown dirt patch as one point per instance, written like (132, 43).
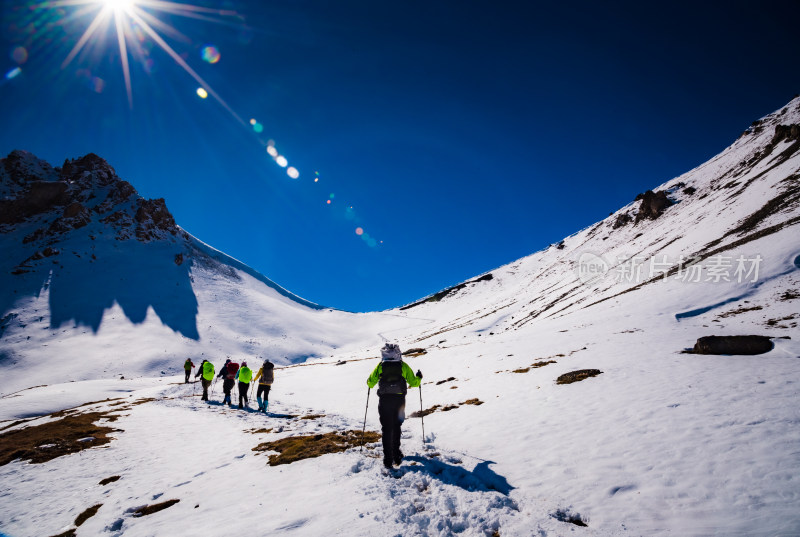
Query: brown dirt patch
(439, 408)
(296, 448)
(790, 294)
(775, 323)
(154, 508)
(86, 515)
(446, 380)
(259, 431)
(108, 480)
(423, 413)
(738, 311)
(62, 437)
(576, 376)
(312, 416)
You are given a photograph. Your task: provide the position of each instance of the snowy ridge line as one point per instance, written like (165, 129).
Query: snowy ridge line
(222, 257)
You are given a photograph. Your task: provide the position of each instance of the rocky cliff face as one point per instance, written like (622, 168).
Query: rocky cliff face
(52, 202)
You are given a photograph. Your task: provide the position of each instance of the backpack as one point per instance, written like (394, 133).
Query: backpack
(245, 375)
(231, 369)
(392, 381)
(267, 373)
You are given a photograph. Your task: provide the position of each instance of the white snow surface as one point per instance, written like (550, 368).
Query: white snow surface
(660, 443)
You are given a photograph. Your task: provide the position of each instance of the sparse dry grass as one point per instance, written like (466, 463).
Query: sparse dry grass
(576, 376)
(295, 448)
(87, 514)
(154, 508)
(108, 480)
(62, 436)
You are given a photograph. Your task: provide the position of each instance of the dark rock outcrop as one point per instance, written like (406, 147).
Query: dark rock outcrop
(742, 345)
(653, 205)
(40, 196)
(623, 219)
(786, 132)
(153, 216)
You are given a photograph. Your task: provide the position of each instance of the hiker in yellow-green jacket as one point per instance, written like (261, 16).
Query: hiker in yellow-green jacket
(392, 375)
(207, 370)
(244, 376)
(265, 378)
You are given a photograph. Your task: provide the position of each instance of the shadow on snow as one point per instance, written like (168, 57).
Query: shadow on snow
(481, 479)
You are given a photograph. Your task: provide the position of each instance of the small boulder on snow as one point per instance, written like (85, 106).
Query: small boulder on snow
(742, 345)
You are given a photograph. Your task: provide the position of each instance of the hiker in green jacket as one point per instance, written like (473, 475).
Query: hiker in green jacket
(392, 375)
(244, 375)
(207, 370)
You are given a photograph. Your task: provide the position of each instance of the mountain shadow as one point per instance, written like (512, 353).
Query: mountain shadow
(82, 286)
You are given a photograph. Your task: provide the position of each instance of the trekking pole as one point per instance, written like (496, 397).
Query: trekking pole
(214, 384)
(364, 428)
(422, 414)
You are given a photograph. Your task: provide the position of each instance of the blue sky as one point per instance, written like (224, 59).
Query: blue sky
(463, 134)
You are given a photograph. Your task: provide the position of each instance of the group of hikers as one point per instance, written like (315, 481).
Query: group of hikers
(392, 376)
(230, 374)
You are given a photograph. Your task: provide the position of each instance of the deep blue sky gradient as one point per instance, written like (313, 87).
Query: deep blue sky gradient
(465, 134)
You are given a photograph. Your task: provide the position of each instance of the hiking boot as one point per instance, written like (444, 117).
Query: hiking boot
(387, 464)
(240, 407)
(398, 458)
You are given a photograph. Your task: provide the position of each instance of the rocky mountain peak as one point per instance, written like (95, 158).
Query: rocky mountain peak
(55, 201)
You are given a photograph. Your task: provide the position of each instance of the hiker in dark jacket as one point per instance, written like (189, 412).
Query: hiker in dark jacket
(265, 378)
(228, 374)
(188, 366)
(391, 376)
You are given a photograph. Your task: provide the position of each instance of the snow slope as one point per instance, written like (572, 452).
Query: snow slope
(660, 443)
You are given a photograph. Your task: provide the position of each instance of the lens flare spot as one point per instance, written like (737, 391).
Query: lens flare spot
(272, 151)
(292, 172)
(202, 93)
(253, 121)
(329, 202)
(281, 160)
(316, 179)
(359, 231)
(19, 55)
(97, 84)
(210, 54)
(332, 195)
(258, 127)
(15, 72)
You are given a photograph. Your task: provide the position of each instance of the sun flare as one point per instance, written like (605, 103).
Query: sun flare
(118, 5)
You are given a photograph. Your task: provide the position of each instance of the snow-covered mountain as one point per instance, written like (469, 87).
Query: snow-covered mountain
(98, 282)
(652, 441)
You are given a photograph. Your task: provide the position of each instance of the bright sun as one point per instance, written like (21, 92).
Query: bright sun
(118, 5)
